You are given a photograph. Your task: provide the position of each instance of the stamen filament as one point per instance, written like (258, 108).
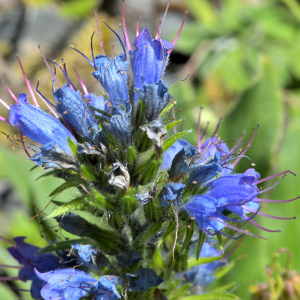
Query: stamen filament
(217, 127)
(81, 82)
(163, 19)
(158, 30)
(4, 120)
(9, 278)
(137, 31)
(263, 228)
(13, 267)
(10, 92)
(266, 215)
(273, 176)
(4, 104)
(91, 63)
(274, 201)
(99, 37)
(124, 26)
(7, 241)
(198, 131)
(27, 83)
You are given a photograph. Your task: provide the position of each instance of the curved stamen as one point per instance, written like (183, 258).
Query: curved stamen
(53, 76)
(248, 145)
(224, 234)
(274, 176)
(274, 201)
(10, 92)
(265, 190)
(124, 49)
(179, 32)
(137, 31)
(100, 41)
(27, 82)
(91, 63)
(266, 215)
(263, 228)
(199, 129)
(244, 220)
(81, 82)
(92, 50)
(124, 26)
(42, 96)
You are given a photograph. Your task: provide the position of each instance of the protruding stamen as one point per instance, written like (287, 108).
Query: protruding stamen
(274, 176)
(4, 104)
(124, 49)
(23, 144)
(92, 50)
(81, 82)
(203, 134)
(112, 52)
(199, 129)
(12, 267)
(124, 26)
(237, 144)
(10, 92)
(158, 30)
(91, 63)
(179, 32)
(7, 241)
(163, 19)
(100, 41)
(27, 82)
(263, 228)
(274, 201)
(247, 147)
(234, 248)
(271, 187)
(9, 278)
(244, 220)
(53, 76)
(137, 31)
(217, 127)
(4, 120)
(266, 215)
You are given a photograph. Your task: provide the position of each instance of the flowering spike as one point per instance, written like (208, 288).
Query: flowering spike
(137, 31)
(124, 26)
(53, 76)
(274, 176)
(263, 228)
(10, 92)
(275, 201)
(27, 82)
(247, 147)
(99, 37)
(81, 82)
(198, 130)
(178, 34)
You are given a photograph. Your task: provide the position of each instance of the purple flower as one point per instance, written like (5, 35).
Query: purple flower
(106, 288)
(38, 125)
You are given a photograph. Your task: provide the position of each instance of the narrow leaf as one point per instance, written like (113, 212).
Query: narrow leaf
(70, 183)
(188, 235)
(201, 240)
(174, 138)
(51, 173)
(61, 245)
(104, 113)
(73, 146)
(173, 124)
(202, 260)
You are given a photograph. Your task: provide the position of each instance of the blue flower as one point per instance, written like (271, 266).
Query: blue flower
(143, 280)
(38, 125)
(70, 105)
(112, 74)
(65, 284)
(149, 59)
(27, 256)
(98, 102)
(106, 288)
(171, 192)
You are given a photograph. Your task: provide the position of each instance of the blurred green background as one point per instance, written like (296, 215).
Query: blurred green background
(244, 60)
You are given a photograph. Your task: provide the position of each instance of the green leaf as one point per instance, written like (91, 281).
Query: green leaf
(131, 155)
(223, 271)
(188, 235)
(62, 245)
(225, 287)
(201, 240)
(73, 146)
(152, 229)
(51, 173)
(70, 183)
(211, 296)
(173, 124)
(174, 138)
(104, 113)
(169, 106)
(202, 260)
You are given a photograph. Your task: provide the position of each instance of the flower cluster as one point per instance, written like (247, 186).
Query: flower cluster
(153, 193)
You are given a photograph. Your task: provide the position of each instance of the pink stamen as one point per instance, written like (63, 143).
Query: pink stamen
(266, 215)
(274, 201)
(179, 32)
(4, 104)
(47, 104)
(23, 144)
(81, 82)
(203, 134)
(247, 147)
(137, 32)
(198, 131)
(10, 92)
(124, 26)
(274, 176)
(9, 278)
(13, 267)
(263, 228)
(27, 82)
(4, 120)
(237, 229)
(99, 37)
(158, 30)
(53, 76)
(7, 241)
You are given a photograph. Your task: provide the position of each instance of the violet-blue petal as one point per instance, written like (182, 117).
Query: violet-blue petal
(98, 102)
(70, 105)
(65, 284)
(38, 125)
(106, 288)
(184, 161)
(148, 60)
(112, 74)
(169, 155)
(171, 192)
(155, 97)
(143, 280)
